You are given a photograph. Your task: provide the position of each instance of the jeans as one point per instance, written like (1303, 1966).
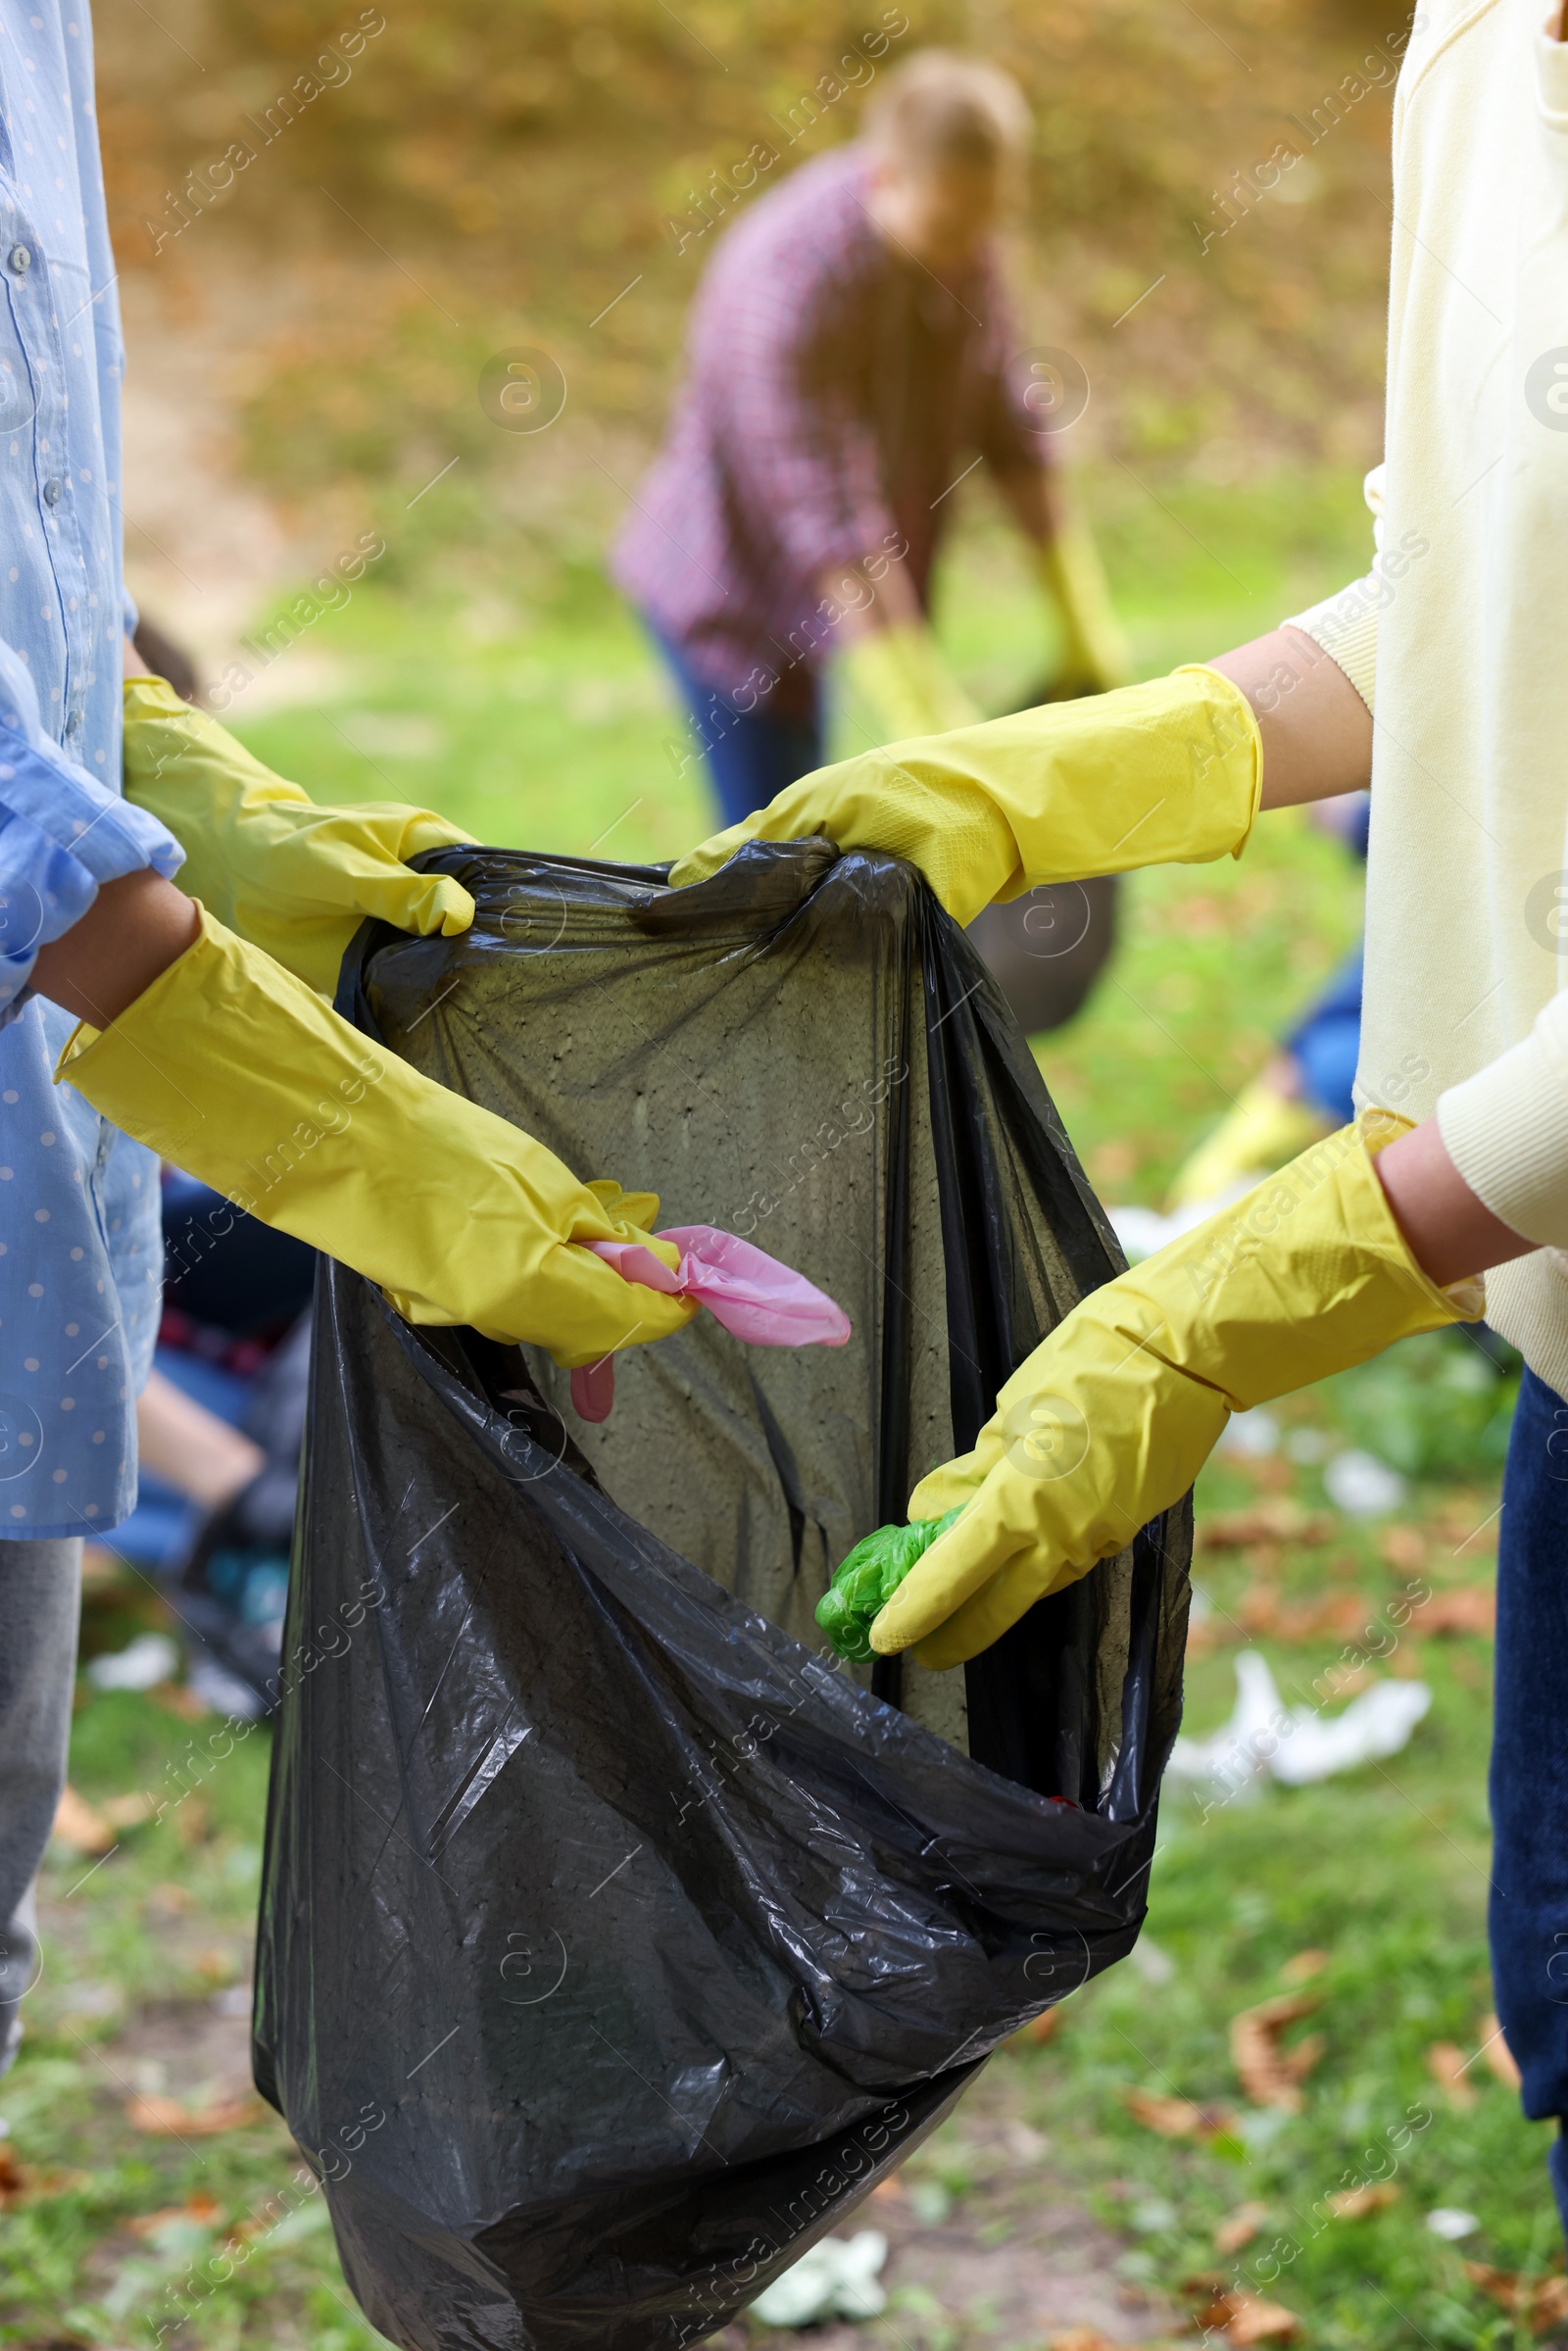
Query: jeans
(1529, 1910)
(40, 1599)
(749, 756)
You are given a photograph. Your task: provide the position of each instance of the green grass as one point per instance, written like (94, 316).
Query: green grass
(546, 723)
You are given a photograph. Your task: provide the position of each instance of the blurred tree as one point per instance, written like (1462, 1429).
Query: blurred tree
(1206, 228)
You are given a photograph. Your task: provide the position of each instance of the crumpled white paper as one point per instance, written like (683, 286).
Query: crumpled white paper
(151, 1659)
(836, 2279)
(1266, 1739)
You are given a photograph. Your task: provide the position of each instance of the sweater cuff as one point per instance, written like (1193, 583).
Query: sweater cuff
(1506, 1130)
(1346, 625)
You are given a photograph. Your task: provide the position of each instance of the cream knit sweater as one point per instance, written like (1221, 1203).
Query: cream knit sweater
(1465, 617)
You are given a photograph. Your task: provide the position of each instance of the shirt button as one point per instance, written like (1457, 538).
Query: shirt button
(53, 490)
(20, 259)
(74, 723)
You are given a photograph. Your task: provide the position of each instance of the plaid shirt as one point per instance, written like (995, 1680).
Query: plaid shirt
(835, 393)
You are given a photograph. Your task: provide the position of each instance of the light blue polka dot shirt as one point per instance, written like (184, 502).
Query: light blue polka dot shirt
(80, 1256)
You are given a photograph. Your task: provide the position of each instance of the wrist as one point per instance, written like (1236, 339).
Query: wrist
(1449, 1231)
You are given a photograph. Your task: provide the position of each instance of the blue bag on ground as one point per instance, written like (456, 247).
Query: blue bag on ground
(615, 1937)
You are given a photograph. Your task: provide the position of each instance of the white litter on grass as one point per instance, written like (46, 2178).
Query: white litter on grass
(1378, 1723)
(1142, 1231)
(836, 2279)
(1266, 1739)
(92, 1999)
(151, 1659)
(1251, 1436)
(1146, 1959)
(1362, 1486)
(1448, 2220)
(221, 1691)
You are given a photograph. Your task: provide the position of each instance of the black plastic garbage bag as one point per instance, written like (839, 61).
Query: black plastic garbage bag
(614, 1937)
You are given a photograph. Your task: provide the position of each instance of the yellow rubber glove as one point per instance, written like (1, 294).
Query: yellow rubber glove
(1258, 1133)
(1111, 1418)
(232, 1068)
(1094, 652)
(288, 875)
(901, 674)
(1165, 772)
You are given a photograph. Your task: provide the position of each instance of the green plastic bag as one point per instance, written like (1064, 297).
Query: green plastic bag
(868, 1579)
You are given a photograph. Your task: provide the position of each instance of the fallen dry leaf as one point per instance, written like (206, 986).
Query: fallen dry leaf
(1080, 2338)
(1041, 2028)
(21, 2185)
(891, 2191)
(1355, 2203)
(1238, 2227)
(1277, 1520)
(1213, 2300)
(1254, 2321)
(80, 1825)
(173, 1698)
(193, 1820)
(100, 1567)
(1402, 1547)
(204, 2211)
(1468, 1524)
(1470, 1608)
(177, 1900)
(167, 2118)
(128, 1812)
(1541, 2302)
(1496, 2052)
(1449, 2068)
(1304, 1967)
(1175, 2118)
(1236, 2315)
(1342, 1616)
(1269, 2074)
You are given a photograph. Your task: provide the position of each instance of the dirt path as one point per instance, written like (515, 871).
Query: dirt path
(203, 550)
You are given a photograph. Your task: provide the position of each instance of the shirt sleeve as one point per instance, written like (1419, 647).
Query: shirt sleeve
(1506, 1130)
(61, 835)
(1346, 624)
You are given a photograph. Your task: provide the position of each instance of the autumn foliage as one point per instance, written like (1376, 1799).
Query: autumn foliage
(1205, 224)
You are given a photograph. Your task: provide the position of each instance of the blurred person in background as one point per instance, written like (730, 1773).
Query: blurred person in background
(851, 355)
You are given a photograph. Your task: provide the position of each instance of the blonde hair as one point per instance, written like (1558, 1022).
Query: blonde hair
(939, 107)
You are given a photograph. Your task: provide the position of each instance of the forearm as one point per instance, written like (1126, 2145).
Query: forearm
(1316, 730)
(1033, 497)
(133, 930)
(866, 603)
(1094, 653)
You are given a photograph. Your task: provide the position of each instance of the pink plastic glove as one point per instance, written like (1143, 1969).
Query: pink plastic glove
(754, 1296)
